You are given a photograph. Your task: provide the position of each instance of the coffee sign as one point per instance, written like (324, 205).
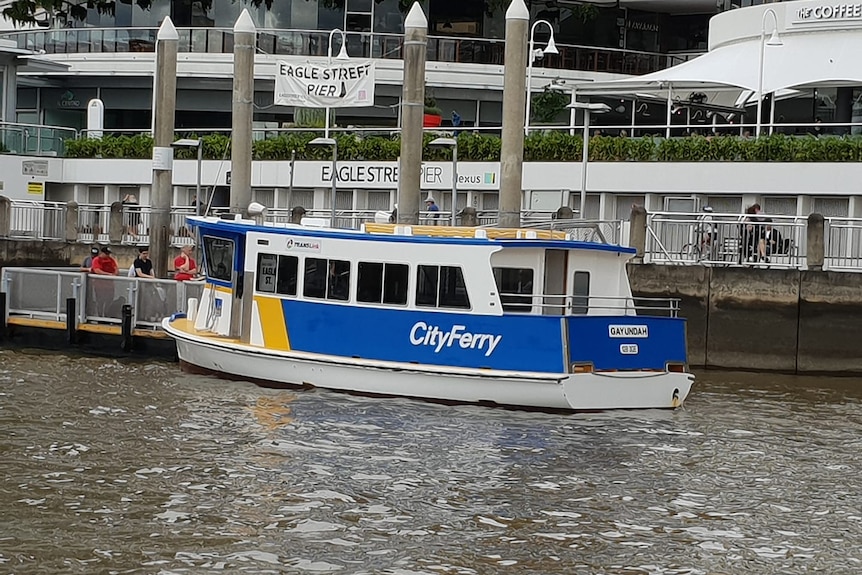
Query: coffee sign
(824, 14)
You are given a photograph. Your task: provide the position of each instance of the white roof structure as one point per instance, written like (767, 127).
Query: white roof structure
(812, 54)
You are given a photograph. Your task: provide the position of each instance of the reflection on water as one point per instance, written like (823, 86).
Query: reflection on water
(112, 467)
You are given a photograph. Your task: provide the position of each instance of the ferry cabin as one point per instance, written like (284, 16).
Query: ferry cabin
(497, 301)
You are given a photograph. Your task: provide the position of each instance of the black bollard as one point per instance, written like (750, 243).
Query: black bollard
(71, 321)
(2, 315)
(126, 330)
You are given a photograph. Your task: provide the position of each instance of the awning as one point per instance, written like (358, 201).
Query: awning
(804, 60)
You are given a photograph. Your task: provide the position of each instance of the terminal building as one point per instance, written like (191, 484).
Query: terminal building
(110, 56)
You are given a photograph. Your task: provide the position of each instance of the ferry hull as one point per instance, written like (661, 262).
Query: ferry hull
(551, 391)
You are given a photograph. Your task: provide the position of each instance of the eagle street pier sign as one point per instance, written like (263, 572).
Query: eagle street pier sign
(333, 84)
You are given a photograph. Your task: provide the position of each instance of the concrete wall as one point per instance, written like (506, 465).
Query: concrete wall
(763, 319)
(21, 253)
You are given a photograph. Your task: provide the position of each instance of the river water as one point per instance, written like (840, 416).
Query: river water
(113, 467)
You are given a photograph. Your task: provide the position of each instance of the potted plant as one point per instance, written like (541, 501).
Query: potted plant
(433, 115)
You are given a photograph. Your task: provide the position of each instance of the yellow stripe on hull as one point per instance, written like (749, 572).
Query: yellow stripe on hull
(272, 323)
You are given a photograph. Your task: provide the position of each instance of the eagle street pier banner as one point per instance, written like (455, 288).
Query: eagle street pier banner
(332, 84)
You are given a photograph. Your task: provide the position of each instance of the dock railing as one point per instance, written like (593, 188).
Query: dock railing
(726, 239)
(43, 294)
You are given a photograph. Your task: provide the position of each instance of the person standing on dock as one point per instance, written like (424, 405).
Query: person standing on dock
(184, 265)
(87, 266)
(103, 289)
(105, 264)
(143, 265)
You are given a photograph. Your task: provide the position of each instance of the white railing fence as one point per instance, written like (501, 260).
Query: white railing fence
(42, 294)
(726, 239)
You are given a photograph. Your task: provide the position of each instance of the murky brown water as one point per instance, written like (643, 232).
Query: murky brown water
(114, 467)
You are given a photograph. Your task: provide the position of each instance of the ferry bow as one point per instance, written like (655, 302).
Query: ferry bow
(524, 318)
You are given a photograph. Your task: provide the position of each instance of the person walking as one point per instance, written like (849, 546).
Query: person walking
(431, 206)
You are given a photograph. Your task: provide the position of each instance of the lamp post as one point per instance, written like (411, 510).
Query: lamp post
(774, 40)
(330, 142)
(342, 55)
(451, 143)
(533, 55)
(199, 144)
(588, 108)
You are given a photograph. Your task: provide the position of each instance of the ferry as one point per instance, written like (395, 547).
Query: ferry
(524, 318)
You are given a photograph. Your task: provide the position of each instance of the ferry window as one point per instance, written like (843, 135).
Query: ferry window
(266, 267)
(441, 286)
(369, 284)
(219, 258)
(315, 278)
(426, 285)
(395, 284)
(453, 290)
(382, 283)
(581, 293)
(338, 280)
(287, 275)
(515, 286)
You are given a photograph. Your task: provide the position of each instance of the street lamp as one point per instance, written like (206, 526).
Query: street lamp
(342, 55)
(330, 142)
(774, 40)
(533, 55)
(199, 144)
(588, 108)
(450, 143)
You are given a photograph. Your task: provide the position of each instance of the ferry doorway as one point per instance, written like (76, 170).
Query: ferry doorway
(554, 300)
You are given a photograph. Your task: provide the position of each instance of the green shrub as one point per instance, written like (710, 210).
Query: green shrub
(539, 146)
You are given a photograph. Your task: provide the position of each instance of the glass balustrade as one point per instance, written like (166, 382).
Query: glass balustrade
(359, 45)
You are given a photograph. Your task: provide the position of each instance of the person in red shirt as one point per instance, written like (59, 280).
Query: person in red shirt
(184, 265)
(103, 289)
(105, 264)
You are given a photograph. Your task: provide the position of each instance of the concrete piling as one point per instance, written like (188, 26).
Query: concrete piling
(412, 113)
(514, 107)
(244, 33)
(165, 104)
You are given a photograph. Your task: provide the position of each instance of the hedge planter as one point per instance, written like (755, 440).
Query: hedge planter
(548, 146)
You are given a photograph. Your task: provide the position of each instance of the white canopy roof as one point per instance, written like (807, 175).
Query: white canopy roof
(804, 60)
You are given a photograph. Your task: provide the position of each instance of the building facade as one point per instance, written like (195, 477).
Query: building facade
(110, 56)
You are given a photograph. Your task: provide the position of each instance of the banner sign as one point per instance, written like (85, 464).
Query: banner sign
(334, 84)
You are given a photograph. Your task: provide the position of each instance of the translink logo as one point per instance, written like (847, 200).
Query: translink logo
(423, 334)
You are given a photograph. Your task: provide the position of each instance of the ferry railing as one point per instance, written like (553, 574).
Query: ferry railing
(584, 305)
(37, 220)
(600, 231)
(725, 239)
(299, 42)
(41, 294)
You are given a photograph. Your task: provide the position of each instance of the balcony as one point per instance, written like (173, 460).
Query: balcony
(359, 45)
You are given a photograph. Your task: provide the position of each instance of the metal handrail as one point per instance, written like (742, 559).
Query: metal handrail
(525, 302)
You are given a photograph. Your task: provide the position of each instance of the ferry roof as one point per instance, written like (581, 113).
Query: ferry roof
(420, 234)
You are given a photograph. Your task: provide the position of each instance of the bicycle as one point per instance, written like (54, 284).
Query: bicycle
(698, 251)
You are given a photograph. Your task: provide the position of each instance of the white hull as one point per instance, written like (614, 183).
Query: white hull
(586, 391)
